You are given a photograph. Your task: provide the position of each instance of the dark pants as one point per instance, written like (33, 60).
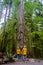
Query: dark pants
(18, 56)
(24, 57)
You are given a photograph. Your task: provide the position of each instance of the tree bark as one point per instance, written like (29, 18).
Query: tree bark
(21, 24)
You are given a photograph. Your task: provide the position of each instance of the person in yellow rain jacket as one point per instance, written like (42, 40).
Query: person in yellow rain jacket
(24, 52)
(18, 53)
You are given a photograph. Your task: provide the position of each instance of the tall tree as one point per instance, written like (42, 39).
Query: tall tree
(21, 23)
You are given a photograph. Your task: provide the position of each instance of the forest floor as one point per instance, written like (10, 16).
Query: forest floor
(30, 62)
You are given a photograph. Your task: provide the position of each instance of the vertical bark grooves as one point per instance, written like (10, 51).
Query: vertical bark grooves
(21, 24)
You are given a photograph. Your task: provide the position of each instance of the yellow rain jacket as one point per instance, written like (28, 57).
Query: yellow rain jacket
(18, 51)
(24, 50)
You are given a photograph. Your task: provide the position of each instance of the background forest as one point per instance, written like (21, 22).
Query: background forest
(33, 15)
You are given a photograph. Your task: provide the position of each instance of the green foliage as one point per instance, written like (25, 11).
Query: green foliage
(11, 28)
(8, 39)
(37, 38)
(7, 2)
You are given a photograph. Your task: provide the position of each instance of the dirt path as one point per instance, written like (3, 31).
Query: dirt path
(25, 63)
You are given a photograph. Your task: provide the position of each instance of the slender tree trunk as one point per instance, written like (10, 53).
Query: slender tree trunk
(1, 10)
(10, 5)
(4, 33)
(30, 40)
(5, 19)
(21, 24)
(9, 12)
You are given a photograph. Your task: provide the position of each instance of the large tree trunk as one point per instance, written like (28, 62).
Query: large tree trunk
(21, 24)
